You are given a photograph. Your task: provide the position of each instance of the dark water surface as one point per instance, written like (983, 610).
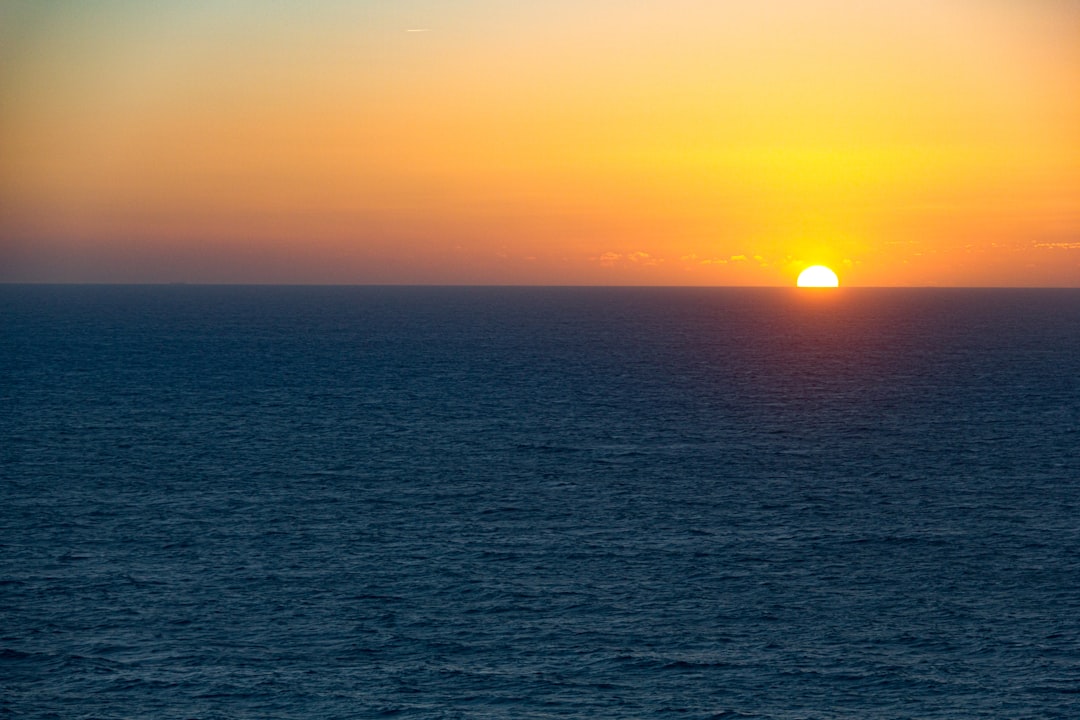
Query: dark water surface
(230, 502)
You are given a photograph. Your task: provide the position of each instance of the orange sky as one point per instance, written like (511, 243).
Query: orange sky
(917, 142)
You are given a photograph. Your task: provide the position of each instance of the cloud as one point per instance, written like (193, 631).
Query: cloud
(695, 259)
(642, 258)
(1059, 245)
(609, 259)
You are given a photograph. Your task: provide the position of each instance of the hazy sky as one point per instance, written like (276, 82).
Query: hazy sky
(914, 142)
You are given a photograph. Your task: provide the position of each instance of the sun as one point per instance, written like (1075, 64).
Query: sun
(818, 276)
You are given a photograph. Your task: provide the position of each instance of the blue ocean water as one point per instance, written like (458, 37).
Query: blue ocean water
(302, 502)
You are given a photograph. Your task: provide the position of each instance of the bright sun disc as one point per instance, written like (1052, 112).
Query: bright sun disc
(818, 276)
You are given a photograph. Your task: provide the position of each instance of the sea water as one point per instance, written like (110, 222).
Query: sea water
(305, 502)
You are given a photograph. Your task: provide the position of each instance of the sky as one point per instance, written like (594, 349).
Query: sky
(569, 142)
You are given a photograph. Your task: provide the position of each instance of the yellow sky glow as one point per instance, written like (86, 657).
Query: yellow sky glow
(596, 142)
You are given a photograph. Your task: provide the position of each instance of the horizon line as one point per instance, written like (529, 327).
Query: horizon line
(96, 283)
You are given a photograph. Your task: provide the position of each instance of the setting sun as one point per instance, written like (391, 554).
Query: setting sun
(818, 276)
(576, 142)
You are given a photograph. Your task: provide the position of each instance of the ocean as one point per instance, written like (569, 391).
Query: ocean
(420, 502)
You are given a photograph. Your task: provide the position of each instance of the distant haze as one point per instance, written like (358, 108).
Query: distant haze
(918, 142)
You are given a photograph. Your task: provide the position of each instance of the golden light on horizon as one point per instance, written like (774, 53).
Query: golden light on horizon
(818, 276)
(587, 142)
